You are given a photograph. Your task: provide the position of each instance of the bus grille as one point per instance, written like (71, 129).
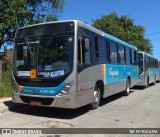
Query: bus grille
(44, 101)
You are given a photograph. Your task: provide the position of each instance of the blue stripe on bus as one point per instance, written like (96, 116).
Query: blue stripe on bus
(119, 73)
(47, 91)
(119, 41)
(153, 72)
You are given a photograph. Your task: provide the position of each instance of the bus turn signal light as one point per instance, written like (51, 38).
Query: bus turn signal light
(21, 87)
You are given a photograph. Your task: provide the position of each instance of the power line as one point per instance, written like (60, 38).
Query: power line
(153, 34)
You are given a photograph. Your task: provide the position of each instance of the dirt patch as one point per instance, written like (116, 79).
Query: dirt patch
(134, 122)
(56, 124)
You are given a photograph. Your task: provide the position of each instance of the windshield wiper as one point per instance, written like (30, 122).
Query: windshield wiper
(29, 48)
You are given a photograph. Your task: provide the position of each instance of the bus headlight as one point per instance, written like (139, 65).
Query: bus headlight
(140, 78)
(66, 89)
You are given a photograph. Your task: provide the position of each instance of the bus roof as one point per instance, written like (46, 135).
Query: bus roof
(103, 34)
(143, 52)
(91, 28)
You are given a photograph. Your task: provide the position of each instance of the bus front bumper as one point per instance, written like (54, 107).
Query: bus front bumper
(66, 101)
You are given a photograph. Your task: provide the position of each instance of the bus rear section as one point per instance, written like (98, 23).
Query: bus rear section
(148, 69)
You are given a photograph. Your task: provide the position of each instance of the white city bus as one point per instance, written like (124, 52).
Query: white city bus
(69, 64)
(148, 69)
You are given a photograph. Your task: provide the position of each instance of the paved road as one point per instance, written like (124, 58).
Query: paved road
(141, 109)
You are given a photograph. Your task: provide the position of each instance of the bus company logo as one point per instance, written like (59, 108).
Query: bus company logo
(35, 91)
(113, 73)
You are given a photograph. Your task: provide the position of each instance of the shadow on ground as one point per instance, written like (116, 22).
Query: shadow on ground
(142, 87)
(57, 112)
(12, 106)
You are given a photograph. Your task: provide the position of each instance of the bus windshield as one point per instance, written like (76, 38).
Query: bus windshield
(51, 57)
(140, 62)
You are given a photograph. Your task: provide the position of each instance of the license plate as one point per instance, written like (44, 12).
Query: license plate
(36, 103)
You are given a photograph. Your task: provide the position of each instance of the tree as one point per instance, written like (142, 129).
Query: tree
(124, 29)
(19, 13)
(45, 10)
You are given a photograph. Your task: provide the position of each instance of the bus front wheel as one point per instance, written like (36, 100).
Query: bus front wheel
(127, 91)
(96, 98)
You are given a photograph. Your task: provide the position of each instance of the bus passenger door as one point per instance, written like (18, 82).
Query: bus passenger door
(85, 72)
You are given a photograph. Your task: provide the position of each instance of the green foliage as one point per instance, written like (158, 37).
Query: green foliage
(124, 29)
(19, 13)
(13, 14)
(44, 10)
(6, 65)
(5, 86)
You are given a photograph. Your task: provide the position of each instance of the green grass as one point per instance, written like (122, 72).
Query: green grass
(5, 86)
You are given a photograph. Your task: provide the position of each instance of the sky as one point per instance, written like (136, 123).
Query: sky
(144, 12)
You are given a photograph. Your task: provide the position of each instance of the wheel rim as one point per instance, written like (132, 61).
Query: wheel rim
(96, 96)
(128, 87)
(155, 80)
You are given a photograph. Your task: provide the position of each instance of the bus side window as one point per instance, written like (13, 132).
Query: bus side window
(113, 53)
(146, 62)
(102, 50)
(107, 50)
(127, 56)
(151, 62)
(96, 49)
(121, 54)
(133, 57)
(118, 53)
(86, 51)
(80, 51)
(156, 63)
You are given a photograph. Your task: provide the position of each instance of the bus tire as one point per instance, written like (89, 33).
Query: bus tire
(154, 83)
(147, 86)
(127, 91)
(96, 99)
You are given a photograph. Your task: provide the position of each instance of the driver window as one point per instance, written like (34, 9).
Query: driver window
(84, 52)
